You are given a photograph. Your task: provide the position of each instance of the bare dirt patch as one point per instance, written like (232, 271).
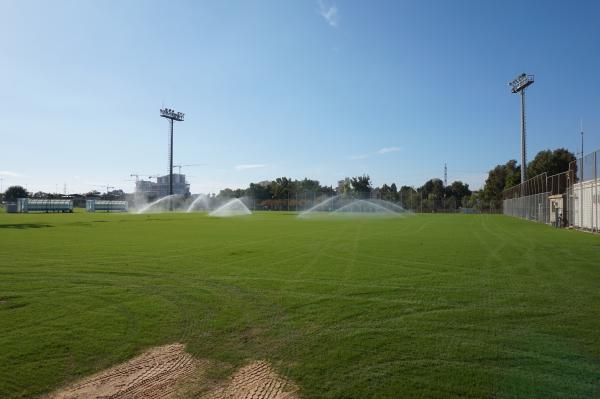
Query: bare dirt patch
(168, 372)
(257, 381)
(157, 373)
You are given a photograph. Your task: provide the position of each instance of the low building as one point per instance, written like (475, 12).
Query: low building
(107, 206)
(25, 205)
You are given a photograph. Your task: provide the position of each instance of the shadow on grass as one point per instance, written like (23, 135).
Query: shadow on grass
(24, 226)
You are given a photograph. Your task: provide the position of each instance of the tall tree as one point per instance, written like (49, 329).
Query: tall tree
(513, 174)
(14, 192)
(433, 189)
(258, 191)
(551, 162)
(344, 187)
(361, 185)
(500, 178)
(458, 190)
(394, 191)
(281, 188)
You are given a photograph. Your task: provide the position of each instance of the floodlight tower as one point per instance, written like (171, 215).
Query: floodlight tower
(518, 86)
(172, 116)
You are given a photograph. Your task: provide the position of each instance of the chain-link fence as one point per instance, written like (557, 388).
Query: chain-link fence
(571, 198)
(530, 199)
(583, 194)
(532, 207)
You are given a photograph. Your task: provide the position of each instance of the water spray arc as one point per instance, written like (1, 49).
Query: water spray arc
(200, 201)
(342, 206)
(149, 206)
(234, 207)
(172, 116)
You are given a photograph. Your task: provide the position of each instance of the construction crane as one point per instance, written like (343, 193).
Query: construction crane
(192, 164)
(142, 175)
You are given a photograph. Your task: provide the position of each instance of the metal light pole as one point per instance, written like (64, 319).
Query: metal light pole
(581, 181)
(172, 116)
(518, 86)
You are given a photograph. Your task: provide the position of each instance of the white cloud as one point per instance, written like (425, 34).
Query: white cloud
(363, 156)
(250, 166)
(329, 13)
(385, 150)
(9, 173)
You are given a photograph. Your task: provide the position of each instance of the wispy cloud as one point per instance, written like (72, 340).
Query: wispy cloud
(8, 173)
(330, 13)
(382, 151)
(385, 150)
(250, 166)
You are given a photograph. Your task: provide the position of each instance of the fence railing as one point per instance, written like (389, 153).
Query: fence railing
(571, 198)
(530, 200)
(531, 207)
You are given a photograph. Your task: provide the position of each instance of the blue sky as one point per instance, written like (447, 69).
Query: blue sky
(320, 89)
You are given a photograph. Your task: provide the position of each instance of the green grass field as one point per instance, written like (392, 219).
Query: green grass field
(426, 306)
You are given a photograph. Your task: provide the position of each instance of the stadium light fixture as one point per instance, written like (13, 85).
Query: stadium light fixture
(518, 85)
(172, 116)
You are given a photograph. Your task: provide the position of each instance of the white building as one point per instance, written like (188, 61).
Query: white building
(161, 187)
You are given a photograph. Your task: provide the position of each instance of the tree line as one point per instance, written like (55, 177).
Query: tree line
(507, 175)
(284, 193)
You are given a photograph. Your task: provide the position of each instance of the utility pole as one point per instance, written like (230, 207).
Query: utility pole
(518, 86)
(582, 147)
(581, 180)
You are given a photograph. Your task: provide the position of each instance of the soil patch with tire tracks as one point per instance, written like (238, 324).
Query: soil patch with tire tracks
(154, 374)
(167, 371)
(257, 381)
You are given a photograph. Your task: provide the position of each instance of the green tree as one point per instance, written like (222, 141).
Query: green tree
(457, 190)
(394, 191)
(344, 187)
(551, 162)
(14, 192)
(384, 192)
(258, 191)
(512, 174)
(408, 198)
(361, 185)
(281, 188)
(499, 179)
(226, 193)
(433, 190)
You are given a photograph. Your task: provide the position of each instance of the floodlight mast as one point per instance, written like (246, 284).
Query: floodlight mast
(519, 85)
(172, 116)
